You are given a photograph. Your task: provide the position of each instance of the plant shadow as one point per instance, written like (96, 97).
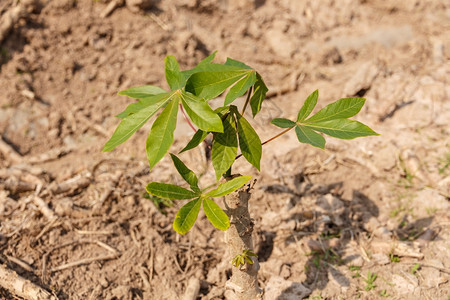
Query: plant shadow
(334, 222)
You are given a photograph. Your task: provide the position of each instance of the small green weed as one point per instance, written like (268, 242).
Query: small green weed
(354, 268)
(394, 258)
(415, 268)
(370, 281)
(384, 293)
(445, 163)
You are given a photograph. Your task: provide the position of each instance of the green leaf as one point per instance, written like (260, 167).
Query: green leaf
(132, 123)
(249, 141)
(208, 59)
(283, 123)
(224, 148)
(308, 106)
(249, 260)
(185, 172)
(342, 128)
(259, 94)
(210, 84)
(144, 91)
(186, 216)
(343, 108)
(174, 77)
(240, 87)
(229, 186)
(201, 113)
(131, 109)
(215, 214)
(236, 63)
(201, 66)
(198, 137)
(161, 135)
(169, 191)
(308, 136)
(137, 106)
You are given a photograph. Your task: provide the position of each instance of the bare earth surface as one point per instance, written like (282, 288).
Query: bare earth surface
(73, 219)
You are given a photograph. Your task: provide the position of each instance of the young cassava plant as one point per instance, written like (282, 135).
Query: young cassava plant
(190, 91)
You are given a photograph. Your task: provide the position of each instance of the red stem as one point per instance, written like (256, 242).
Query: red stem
(271, 139)
(187, 119)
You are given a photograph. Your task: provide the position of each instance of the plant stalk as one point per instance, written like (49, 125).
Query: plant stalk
(243, 284)
(271, 139)
(187, 119)
(247, 100)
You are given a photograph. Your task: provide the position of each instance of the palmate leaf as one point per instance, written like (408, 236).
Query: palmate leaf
(201, 66)
(249, 141)
(331, 120)
(224, 147)
(132, 123)
(201, 113)
(174, 77)
(229, 186)
(283, 123)
(210, 84)
(215, 214)
(341, 109)
(240, 87)
(161, 135)
(144, 91)
(259, 94)
(342, 128)
(170, 191)
(236, 63)
(137, 106)
(186, 216)
(133, 108)
(185, 173)
(309, 136)
(198, 137)
(308, 106)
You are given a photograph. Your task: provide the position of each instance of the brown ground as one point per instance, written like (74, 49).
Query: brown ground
(324, 219)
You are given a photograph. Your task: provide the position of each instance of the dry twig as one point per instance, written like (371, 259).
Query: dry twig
(111, 7)
(22, 287)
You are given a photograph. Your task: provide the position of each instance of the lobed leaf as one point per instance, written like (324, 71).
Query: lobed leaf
(259, 94)
(283, 123)
(249, 141)
(342, 128)
(169, 191)
(236, 63)
(174, 77)
(309, 136)
(215, 214)
(224, 147)
(241, 87)
(161, 135)
(137, 106)
(132, 123)
(229, 186)
(186, 216)
(341, 109)
(308, 106)
(201, 113)
(185, 173)
(198, 137)
(200, 66)
(144, 91)
(132, 109)
(210, 84)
